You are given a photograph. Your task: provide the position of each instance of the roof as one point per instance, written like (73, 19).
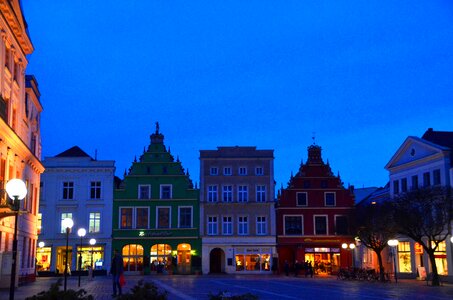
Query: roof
(73, 152)
(379, 196)
(237, 152)
(442, 138)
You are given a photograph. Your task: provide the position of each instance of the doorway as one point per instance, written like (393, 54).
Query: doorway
(184, 259)
(217, 261)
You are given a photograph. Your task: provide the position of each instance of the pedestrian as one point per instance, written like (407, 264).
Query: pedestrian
(310, 268)
(306, 269)
(286, 268)
(296, 268)
(116, 269)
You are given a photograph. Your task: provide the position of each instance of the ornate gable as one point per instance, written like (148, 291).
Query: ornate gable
(12, 12)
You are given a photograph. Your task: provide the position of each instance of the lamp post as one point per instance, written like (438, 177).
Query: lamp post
(349, 247)
(92, 243)
(16, 190)
(393, 244)
(81, 232)
(67, 223)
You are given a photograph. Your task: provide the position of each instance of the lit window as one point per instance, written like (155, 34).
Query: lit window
(64, 216)
(94, 222)
(126, 217)
(141, 217)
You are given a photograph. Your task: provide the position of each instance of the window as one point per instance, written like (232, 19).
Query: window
(163, 217)
(227, 171)
(436, 177)
(324, 184)
(64, 216)
(243, 226)
(261, 225)
(259, 171)
(94, 222)
(404, 257)
(227, 191)
(414, 182)
(242, 171)
(227, 226)
(301, 199)
(95, 190)
(212, 225)
(404, 185)
(329, 198)
(144, 191)
(260, 193)
(293, 225)
(126, 217)
(341, 225)
(39, 225)
(426, 179)
(212, 193)
(396, 187)
(242, 193)
(141, 217)
(68, 190)
(307, 184)
(185, 217)
(320, 225)
(165, 191)
(214, 171)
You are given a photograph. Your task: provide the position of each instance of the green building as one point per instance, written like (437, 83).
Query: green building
(156, 215)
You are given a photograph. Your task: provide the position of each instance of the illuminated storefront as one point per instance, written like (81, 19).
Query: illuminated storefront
(61, 253)
(43, 259)
(133, 258)
(441, 258)
(91, 255)
(324, 260)
(184, 258)
(253, 259)
(160, 257)
(404, 257)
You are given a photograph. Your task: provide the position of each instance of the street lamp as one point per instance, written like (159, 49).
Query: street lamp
(66, 223)
(350, 247)
(81, 232)
(16, 190)
(393, 244)
(92, 243)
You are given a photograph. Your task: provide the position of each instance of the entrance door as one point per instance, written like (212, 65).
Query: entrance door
(61, 258)
(216, 261)
(184, 259)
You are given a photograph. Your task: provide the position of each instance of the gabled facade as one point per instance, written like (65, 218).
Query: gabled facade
(156, 213)
(422, 162)
(313, 216)
(75, 186)
(237, 210)
(20, 143)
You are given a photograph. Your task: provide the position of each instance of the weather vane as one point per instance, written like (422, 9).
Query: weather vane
(157, 127)
(313, 137)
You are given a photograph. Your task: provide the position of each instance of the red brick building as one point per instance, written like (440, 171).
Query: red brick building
(313, 217)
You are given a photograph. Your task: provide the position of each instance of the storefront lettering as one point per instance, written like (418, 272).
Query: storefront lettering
(154, 234)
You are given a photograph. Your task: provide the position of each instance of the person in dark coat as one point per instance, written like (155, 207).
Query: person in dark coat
(116, 269)
(286, 268)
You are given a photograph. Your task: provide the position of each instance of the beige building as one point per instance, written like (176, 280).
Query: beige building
(237, 216)
(20, 143)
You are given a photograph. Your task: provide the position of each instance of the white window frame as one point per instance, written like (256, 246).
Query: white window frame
(228, 192)
(297, 199)
(208, 223)
(225, 173)
(263, 193)
(139, 194)
(72, 188)
(119, 217)
(242, 173)
(95, 189)
(230, 225)
(334, 199)
(262, 225)
(89, 220)
(160, 191)
(214, 171)
(63, 230)
(157, 217)
(301, 223)
(135, 217)
(327, 225)
(335, 225)
(259, 173)
(191, 216)
(213, 193)
(244, 192)
(247, 224)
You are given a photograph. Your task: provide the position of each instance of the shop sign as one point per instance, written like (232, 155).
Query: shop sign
(155, 233)
(418, 248)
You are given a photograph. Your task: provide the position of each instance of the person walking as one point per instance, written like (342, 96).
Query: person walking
(116, 269)
(286, 268)
(296, 268)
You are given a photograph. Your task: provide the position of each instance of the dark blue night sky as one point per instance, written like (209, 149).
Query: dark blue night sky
(361, 75)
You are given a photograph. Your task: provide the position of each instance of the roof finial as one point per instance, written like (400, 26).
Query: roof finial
(314, 137)
(157, 127)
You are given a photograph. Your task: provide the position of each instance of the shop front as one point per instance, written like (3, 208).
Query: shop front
(253, 259)
(61, 258)
(92, 257)
(43, 259)
(325, 261)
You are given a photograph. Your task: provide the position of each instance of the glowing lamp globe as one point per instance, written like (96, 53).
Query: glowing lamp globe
(67, 223)
(81, 232)
(16, 189)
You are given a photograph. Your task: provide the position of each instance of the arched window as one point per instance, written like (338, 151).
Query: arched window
(160, 257)
(133, 257)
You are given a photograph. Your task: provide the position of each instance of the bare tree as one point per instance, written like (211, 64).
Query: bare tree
(424, 215)
(374, 227)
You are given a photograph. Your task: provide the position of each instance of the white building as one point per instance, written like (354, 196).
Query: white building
(20, 143)
(422, 162)
(75, 186)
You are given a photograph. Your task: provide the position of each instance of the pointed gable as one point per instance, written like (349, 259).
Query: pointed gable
(73, 152)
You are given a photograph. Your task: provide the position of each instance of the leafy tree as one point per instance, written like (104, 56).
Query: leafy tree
(374, 227)
(424, 215)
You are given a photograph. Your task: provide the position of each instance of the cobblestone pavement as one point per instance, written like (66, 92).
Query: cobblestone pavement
(265, 286)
